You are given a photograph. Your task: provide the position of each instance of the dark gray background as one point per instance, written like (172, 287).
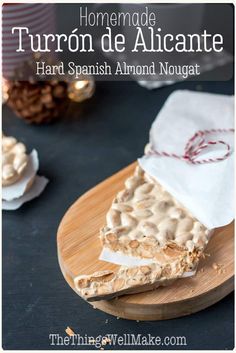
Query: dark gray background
(91, 143)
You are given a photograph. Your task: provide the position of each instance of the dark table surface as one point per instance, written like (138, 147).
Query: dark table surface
(91, 143)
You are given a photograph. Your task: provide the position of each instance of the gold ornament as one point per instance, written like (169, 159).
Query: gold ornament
(82, 89)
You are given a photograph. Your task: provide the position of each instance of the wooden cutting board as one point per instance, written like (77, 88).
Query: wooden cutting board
(79, 249)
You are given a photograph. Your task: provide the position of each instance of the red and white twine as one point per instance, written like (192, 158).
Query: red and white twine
(195, 145)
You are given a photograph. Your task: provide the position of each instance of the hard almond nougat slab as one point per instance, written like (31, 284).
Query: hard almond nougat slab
(146, 222)
(144, 218)
(104, 285)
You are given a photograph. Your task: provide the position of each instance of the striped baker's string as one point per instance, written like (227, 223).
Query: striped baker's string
(196, 145)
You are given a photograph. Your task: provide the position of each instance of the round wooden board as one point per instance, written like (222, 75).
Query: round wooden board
(79, 248)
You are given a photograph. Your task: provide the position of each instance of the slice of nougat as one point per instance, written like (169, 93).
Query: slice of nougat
(146, 222)
(104, 285)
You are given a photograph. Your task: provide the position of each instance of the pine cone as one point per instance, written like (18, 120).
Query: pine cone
(37, 102)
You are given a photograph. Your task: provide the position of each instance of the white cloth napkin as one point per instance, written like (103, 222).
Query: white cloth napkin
(206, 190)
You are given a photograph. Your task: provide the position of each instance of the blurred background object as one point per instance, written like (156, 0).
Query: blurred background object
(37, 102)
(5, 87)
(39, 18)
(171, 18)
(34, 100)
(82, 89)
